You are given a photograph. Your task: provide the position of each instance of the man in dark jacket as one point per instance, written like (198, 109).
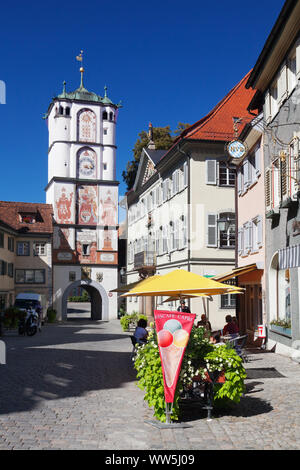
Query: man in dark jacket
(183, 308)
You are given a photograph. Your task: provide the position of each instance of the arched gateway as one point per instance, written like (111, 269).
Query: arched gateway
(99, 299)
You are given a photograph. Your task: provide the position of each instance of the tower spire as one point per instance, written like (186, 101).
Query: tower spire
(81, 70)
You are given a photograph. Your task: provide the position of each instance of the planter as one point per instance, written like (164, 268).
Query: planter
(281, 330)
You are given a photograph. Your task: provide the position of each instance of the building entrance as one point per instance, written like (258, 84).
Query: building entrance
(96, 308)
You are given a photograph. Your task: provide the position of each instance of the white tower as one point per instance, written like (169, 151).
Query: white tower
(84, 194)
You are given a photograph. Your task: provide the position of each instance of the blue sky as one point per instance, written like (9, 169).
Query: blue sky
(168, 61)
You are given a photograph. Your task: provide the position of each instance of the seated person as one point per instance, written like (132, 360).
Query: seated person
(230, 328)
(204, 322)
(216, 340)
(141, 333)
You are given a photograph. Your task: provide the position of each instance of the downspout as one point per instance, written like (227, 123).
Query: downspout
(187, 156)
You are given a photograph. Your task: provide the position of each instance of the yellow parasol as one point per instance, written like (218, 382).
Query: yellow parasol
(179, 283)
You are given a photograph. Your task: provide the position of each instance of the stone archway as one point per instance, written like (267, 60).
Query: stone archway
(99, 299)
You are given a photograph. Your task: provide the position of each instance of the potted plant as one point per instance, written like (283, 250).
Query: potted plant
(51, 315)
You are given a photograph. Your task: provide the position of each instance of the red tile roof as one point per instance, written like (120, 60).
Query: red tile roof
(10, 214)
(217, 125)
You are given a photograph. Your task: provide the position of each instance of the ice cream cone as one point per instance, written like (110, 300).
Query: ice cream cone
(171, 357)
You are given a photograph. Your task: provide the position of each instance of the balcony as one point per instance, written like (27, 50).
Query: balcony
(145, 261)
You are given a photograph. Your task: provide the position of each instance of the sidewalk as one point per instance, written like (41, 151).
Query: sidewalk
(73, 387)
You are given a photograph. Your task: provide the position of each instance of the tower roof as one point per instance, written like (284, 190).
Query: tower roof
(82, 94)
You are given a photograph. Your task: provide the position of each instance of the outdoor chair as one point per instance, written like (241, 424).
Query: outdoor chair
(239, 344)
(134, 341)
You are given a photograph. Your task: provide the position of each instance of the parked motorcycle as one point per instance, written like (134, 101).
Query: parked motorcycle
(29, 324)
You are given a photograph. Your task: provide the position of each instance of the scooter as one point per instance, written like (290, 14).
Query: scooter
(29, 324)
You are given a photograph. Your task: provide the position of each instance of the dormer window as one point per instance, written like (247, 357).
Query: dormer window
(27, 218)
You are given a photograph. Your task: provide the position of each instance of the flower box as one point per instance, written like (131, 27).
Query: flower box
(281, 330)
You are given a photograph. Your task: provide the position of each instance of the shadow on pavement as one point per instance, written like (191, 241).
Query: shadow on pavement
(56, 364)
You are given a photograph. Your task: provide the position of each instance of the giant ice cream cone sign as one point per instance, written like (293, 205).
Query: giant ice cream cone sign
(173, 332)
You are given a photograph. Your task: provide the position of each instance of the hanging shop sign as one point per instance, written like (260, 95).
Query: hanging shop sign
(236, 149)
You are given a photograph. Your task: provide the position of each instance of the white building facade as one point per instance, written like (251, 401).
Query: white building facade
(84, 194)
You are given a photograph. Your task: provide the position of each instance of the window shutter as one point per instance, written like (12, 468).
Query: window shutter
(259, 232)
(212, 236)
(267, 107)
(239, 181)
(282, 84)
(246, 167)
(257, 153)
(211, 172)
(240, 240)
(185, 174)
(298, 58)
(268, 189)
(176, 237)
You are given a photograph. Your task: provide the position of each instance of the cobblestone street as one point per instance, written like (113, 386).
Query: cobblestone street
(73, 387)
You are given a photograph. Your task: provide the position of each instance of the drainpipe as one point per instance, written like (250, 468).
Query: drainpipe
(188, 156)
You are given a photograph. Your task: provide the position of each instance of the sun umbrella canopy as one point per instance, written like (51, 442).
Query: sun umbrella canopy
(142, 282)
(178, 283)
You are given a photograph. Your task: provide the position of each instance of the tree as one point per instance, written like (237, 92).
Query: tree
(163, 140)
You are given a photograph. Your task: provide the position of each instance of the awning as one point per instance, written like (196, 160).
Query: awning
(236, 272)
(289, 257)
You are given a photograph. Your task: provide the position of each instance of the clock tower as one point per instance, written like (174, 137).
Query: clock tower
(83, 191)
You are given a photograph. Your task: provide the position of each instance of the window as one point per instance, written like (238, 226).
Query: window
(28, 218)
(221, 230)
(30, 276)
(23, 249)
(11, 244)
(72, 276)
(67, 111)
(226, 175)
(1, 240)
(10, 269)
(280, 291)
(105, 131)
(39, 249)
(226, 224)
(3, 268)
(85, 249)
(104, 115)
(228, 301)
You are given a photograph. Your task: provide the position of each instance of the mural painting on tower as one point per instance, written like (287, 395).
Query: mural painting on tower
(108, 206)
(64, 207)
(87, 205)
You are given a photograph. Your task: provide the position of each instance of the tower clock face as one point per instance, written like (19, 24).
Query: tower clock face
(86, 164)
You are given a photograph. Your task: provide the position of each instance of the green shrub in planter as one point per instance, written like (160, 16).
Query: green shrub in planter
(200, 356)
(51, 315)
(11, 318)
(125, 321)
